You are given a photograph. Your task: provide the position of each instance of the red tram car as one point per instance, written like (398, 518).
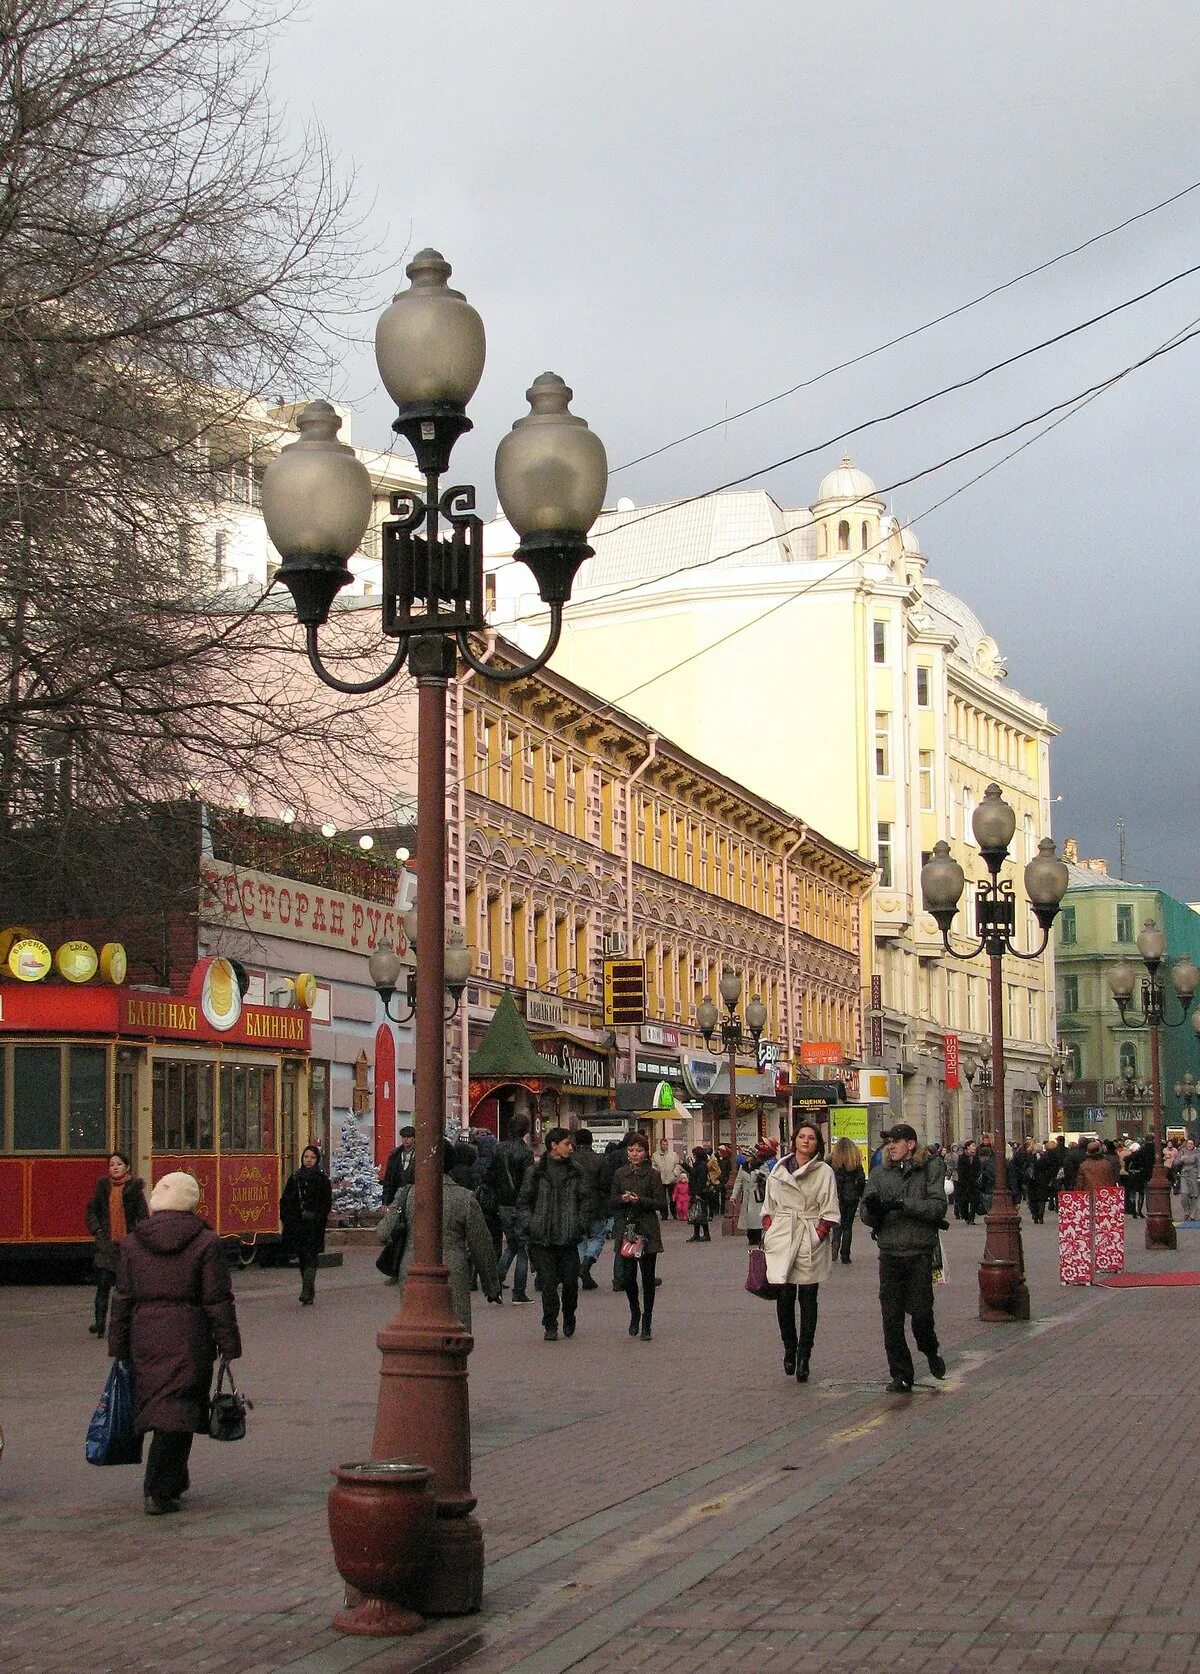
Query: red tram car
(210, 1085)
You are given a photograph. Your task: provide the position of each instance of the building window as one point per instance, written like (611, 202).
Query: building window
(182, 1106)
(247, 1107)
(883, 744)
(1070, 993)
(879, 641)
(1067, 927)
(863, 537)
(922, 686)
(925, 780)
(1125, 923)
(843, 536)
(1013, 1001)
(1127, 1058)
(884, 837)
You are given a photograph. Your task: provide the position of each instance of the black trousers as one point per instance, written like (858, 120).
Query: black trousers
(842, 1237)
(643, 1310)
(785, 1313)
(1037, 1202)
(105, 1280)
(557, 1265)
(754, 1238)
(906, 1288)
(166, 1464)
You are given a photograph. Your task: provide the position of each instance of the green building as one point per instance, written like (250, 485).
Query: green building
(1099, 924)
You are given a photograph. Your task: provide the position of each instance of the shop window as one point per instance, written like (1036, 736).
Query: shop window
(182, 1104)
(37, 1072)
(87, 1114)
(247, 1107)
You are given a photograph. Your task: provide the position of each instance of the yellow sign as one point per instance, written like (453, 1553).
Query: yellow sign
(76, 961)
(16, 933)
(220, 995)
(29, 961)
(113, 963)
(306, 990)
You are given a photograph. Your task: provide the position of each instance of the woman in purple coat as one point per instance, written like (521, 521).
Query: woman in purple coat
(172, 1311)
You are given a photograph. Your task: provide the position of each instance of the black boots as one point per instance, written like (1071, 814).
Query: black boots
(586, 1282)
(635, 1321)
(802, 1369)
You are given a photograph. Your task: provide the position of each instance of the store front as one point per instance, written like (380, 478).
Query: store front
(586, 1090)
(509, 1077)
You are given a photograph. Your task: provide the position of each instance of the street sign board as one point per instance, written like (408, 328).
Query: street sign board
(624, 992)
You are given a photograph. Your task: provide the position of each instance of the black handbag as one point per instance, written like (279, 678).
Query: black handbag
(227, 1408)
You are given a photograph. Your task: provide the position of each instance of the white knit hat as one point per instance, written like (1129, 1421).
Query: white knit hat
(175, 1191)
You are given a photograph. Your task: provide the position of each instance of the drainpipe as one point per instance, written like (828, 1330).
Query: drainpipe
(460, 822)
(788, 1017)
(651, 752)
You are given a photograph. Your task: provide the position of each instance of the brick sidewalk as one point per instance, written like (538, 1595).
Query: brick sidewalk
(675, 1503)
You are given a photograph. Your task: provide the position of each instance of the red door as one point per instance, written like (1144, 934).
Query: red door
(385, 1093)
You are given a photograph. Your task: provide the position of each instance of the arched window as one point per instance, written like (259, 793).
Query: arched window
(1127, 1056)
(863, 537)
(843, 536)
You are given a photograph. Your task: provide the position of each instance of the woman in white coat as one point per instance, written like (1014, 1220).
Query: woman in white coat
(799, 1212)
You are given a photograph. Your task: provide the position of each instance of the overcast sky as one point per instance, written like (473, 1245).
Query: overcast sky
(684, 207)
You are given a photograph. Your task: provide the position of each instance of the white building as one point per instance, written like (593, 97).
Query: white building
(807, 653)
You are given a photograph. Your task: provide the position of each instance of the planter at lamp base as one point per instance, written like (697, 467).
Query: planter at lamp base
(1003, 1293)
(381, 1523)
(1160, 1223)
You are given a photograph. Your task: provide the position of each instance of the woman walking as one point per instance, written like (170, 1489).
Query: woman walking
(303, 1214)
(800, 1211)
(698, 1189)
(846, 1162)
(638, 1198)
(466, 1238)
(749, 1190)
(116, 1206)
(172, 1310)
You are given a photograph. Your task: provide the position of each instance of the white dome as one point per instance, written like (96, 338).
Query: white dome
(909, 542)
(847, 482)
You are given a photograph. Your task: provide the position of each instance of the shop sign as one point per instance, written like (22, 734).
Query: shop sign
(877, 1036)
(699, 1072)
(659, 1034)
(546, 1009)
(76, 961)
(821, 1052)
(29, 960)
(659, 1069)
(261, 904)
(583, 1068)
(768, 1054)
(951, 1061)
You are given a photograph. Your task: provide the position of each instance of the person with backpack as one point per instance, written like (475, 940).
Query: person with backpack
(512, 1162)
(591, 1244)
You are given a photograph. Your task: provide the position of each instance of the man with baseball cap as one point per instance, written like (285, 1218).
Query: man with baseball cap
(904, 1204)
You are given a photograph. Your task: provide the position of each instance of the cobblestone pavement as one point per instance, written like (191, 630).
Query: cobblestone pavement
(672, 1504)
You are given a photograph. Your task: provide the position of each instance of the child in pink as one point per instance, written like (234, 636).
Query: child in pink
(682, 1198)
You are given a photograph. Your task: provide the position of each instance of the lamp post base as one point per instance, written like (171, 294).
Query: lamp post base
(1003, 1293)
(379, 1618)
(423, 1415)
(1160, 1226)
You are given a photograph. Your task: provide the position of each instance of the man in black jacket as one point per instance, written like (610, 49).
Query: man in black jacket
(904, 1204)
(399, 1170)
(554, 1201)
(512, 1162)
(591, 1241)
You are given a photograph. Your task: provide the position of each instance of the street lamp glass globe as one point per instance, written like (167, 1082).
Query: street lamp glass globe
(385, 966)
(457, 968)
(706, 1016)
(1046, 879)
(730, 986)
(410, 926)
(993, 823)
(1185, 978)
(1151, 943)
(329, 829)
(429, 342)
(756, 1015)
(1121, 980)
(942, 884)
(1196, 1020)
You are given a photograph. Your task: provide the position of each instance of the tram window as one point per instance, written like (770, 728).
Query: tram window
(37, 1076)
(87, 1117)
(183, 1105)
(247, 1107)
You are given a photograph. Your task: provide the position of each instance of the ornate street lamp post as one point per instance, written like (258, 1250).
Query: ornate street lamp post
(1152, 1000)
(1003, 1293)
(732, 1040)
(551, 474)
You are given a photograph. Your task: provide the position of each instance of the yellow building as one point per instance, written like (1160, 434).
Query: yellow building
(808, 652)
(578, 833)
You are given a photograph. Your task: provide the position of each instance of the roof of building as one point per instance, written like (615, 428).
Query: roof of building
(737, 530)
(506, 1049)
(1083, 877)
(846, 482)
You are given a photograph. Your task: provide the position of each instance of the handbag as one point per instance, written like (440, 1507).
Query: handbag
(110, 1435)
(633, 1246)
(227, 1408)
(757, 1282)
(697, 1211)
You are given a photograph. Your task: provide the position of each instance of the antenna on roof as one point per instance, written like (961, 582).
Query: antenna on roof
(1121, 872)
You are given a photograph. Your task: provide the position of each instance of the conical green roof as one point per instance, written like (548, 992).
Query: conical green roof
(506, 1049)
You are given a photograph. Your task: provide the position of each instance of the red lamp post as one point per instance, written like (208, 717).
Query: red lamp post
(551, 474)
(1003, 1293)
(1185, 978)
(732, 1039)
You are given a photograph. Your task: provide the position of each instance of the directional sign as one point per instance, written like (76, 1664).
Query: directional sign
(624, 991)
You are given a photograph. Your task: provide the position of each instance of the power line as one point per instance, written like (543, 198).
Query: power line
(905, 336)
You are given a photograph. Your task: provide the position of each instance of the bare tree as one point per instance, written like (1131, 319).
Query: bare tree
(168, 260)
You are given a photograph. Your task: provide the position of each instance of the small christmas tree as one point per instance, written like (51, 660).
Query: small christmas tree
(356, 1187)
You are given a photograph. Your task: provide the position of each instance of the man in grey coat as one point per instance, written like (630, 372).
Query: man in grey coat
(904, 1204)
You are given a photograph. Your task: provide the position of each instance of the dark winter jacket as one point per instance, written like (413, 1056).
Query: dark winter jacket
(642, 1216)
(172, 1310)
(851, 1183)
(554, 1197)
(304, 1210)
(512, 1163)
(905, 1205)
(398, 1171)
(1072, 1160)
(591, 1162)
(96, 1217)
(966, 1179)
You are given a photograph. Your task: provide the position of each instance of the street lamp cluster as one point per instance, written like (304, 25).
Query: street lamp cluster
(551, 475)
(733, 1039)
(1154, 1008)
(1003, 1293)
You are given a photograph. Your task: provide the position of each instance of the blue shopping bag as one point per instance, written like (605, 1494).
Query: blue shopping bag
(110, 1438)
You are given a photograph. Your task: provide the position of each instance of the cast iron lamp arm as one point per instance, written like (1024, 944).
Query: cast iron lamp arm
(525, 669)
(352, 687)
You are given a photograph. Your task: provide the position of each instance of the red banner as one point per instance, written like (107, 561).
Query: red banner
(951, 1062)
(821, 1052)
(249, 1189)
